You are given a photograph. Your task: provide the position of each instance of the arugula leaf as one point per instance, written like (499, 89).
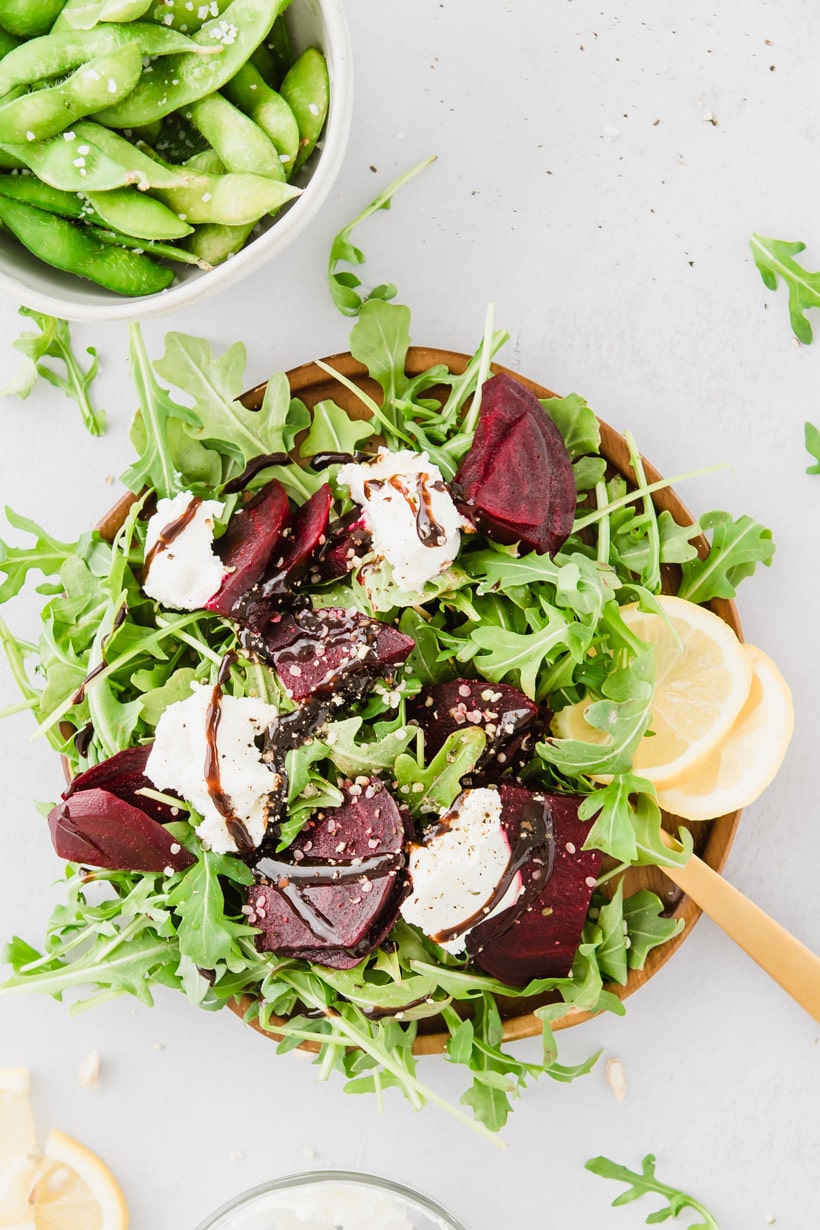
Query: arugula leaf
(333, 431)
(157, 465)
(354, 759)
(47, 555)
(343, 284)
(54, 342)
(522, 656)
(380, 340)
(623, 717)
(435, 787)
(611, 951)
(205, 933)
(646, 926)
(214, 384)
(737, 547)
(774, 259)
(813, 447)
(646, 1183)
(576, 422)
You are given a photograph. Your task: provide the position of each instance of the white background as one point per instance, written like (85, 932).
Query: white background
(580, 188)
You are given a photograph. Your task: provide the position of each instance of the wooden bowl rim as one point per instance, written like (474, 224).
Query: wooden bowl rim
(311, 379)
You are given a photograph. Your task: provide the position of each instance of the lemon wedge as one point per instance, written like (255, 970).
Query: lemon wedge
(702, 681)
(66, 1188)
(744, 763)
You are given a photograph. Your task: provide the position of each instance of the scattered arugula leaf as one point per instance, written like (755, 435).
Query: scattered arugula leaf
(54, 342)
(344, 284)
(435, 787)
(646, 926)
(645, 1184)
(812, 435)
(737, 547)
(332, 430)
(774, 259)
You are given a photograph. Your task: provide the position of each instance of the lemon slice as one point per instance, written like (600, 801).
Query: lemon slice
(68, 1188)
(740, 769)
(702, 681)
(74, 1190)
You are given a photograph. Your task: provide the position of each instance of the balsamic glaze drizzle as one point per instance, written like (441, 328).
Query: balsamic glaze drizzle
(171, 531)
(221, 801)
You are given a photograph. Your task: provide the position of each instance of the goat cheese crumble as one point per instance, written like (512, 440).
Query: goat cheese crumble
(185, 573)
(409, 512)
(180, 753)
(455, 873)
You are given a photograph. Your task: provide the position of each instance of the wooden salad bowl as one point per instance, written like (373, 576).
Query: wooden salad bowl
(712, 838)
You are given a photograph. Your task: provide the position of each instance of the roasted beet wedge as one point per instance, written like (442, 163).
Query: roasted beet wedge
(300, 540)
(543, 939)
(333, 896)
(99, 829)
(123, 774)
(347, 540)
(527, 821)
(247, 545)
(517, 478)
(500, 710)
(329, 652)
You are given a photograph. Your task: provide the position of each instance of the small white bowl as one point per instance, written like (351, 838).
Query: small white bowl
(317, 23)
(354, 1201)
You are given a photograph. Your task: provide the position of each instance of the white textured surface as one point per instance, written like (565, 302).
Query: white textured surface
(619, 263)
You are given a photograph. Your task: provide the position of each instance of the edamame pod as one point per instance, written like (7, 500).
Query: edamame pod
(7, 42)
(82, 15)
(164, 251)
(43, 113)
(206, 160)
(178, 80)
(32, 191)
(268, 110)
(187, 16)
(137, 214)
(28, 18)
(306, 89)
(56, 55)
(213, 243)
(279, 44)
(143, 169)
(65, 246)
(239, 143)
(232, 199)
(73, 166)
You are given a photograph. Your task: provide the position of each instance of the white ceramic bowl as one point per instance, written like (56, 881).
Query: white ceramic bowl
(319, 23)
(352, 1201)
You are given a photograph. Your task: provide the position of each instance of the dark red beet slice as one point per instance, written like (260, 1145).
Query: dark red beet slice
(303, 537)
(527, 821)
(245, 548)
(499, 709)
(95, 827)
(329, 651)
(123, 774)
(348, 539)
(543, 939)
(335, 892)
(517, 478)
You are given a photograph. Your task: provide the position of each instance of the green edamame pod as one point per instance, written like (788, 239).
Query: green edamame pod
(147, 132)
(56, 55)
(183, 15)
(142, 168)
(61, 164)
(32, 191)
(28, 18)
(232, 199)
(239, 143)
(206, 160)
(7, 42)
(177, 81)
(62, 244)
(165, 251)
(213, 243)
(43, 113)
(268, 110)
(306, 89)
(137, 214)
(85, 15)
